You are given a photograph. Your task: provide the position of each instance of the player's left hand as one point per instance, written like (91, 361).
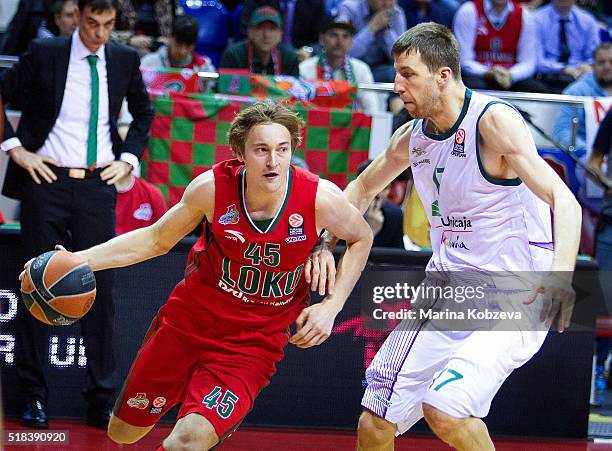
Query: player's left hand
(320, 270)
(314, 325)
(557, 293)
(114, 171)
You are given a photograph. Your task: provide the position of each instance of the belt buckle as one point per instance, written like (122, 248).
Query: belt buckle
(76, 173)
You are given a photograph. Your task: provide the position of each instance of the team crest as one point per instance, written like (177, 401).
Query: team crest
(459, 146)
(417, 152)
(230, 217)
(140, 401)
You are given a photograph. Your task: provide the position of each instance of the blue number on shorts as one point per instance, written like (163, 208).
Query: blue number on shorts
(210, 400)
(226, 406)
(454, 376)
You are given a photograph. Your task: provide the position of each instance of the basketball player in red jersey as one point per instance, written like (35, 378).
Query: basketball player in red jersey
(214, 345)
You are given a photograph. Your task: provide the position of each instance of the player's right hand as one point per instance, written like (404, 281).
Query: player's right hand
(320, 270)
(558, 297)
(34, 164)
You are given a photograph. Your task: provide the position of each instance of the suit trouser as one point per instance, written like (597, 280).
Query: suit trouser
(77, 213)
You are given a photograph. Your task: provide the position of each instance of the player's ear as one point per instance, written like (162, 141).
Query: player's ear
(444, 75)
(239, 154)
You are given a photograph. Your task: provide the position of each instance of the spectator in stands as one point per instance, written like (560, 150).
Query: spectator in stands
(419, 11)
(378, 23)
(602, 148)
(334, 63)
(180, 52)
(139, 203)
(384, 217)
(64, 159)
(568, 36)
(594, 84)
(145, 21)
(302, 19)
(60, 21)
(498, 46)
(262, 51)
(23, 27)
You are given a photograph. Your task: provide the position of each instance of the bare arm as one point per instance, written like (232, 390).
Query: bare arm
(505, 135)
(336, 214)
(157, 239)
(509, 151)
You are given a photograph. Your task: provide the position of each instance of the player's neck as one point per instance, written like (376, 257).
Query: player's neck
(261, 203)
(448, 111)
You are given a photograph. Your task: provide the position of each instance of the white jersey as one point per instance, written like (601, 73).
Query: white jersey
(477, 221)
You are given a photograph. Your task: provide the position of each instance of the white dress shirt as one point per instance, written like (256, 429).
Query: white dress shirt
(368, 101)
(465, 26)
(67, 140)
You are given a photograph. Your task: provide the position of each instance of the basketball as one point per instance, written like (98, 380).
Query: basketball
(58, 288)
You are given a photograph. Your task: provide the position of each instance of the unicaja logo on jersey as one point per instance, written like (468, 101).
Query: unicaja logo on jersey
(458, 147)
(464, 224)
(231, 217)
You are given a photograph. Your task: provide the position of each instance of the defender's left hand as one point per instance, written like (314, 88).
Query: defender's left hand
(114, 171)
(314, 325)
(558, 296)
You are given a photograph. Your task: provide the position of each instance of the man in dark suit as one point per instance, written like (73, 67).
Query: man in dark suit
(64, 160)
(302, 19)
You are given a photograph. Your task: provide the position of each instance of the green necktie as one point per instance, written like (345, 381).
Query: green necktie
(92, 137)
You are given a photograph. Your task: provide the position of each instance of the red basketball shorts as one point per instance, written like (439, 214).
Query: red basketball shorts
(214, 368)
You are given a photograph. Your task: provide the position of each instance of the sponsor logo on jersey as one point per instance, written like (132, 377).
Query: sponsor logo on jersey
(235, 235)
(295, 239)
(417, 152)
(144, 212)
(155, 410)
(453, 242)
(463, 223)
(140, 401)
(230, 217)
(459, 146)
(420, 162)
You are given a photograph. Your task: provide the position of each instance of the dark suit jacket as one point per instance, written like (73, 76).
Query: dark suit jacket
(39, 81)
(308, 19)
(392, 232)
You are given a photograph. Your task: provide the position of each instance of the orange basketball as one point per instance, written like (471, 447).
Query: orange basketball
(58, 288)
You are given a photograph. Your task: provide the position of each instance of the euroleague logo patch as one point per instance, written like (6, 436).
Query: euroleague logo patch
(158, 404)
(459, 145)
(296, 228)
(296, 220)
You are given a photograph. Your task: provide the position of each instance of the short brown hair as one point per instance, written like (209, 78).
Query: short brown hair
(435, 43)
(259, 113)
(602, 47)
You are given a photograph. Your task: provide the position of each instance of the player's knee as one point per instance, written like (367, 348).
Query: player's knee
(442, 424)
(192, 436)
(123, 433)
(371, 427)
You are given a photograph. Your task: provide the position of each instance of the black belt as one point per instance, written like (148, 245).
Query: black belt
(77, 173)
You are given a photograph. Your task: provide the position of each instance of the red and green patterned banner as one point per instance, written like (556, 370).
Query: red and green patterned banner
(189, 135)
(328, 94)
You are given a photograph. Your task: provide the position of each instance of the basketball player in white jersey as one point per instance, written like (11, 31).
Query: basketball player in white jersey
(489, 198)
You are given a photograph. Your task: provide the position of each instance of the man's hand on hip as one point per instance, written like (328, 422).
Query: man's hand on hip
(34, 164)
(114, 171)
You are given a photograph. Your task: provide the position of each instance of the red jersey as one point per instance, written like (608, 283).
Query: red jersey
(498, 46)
(250, 274)
(139, 206)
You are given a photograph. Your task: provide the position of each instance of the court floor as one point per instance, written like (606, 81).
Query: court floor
(83, 438)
